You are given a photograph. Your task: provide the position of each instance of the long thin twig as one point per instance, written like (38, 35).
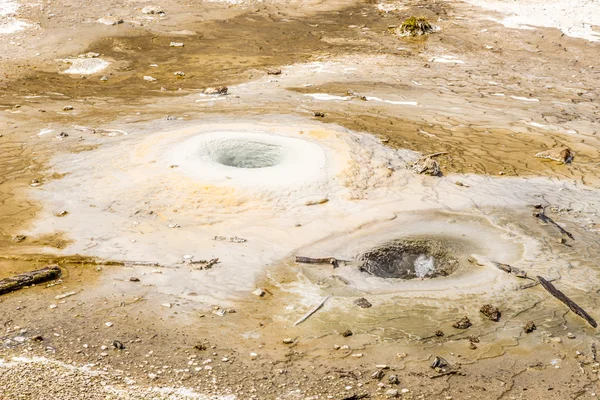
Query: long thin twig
(312, 311)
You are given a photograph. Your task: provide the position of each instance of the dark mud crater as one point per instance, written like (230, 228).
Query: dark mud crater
(412, 258)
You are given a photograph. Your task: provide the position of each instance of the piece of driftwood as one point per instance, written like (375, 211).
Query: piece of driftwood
(312, 311)
(541, 215)
(534, 283)
(570, 303)
(519, 273)
(327, 260)
(451, 372)
(17, 282)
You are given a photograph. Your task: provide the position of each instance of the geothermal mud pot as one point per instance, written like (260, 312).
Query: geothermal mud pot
(274, 240)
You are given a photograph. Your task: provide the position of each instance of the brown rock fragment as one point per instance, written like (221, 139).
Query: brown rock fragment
(560, 154)
(491, 312)
(463, 323)
(529, 327)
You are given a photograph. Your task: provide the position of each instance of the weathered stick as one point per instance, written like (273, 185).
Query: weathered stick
(533, 284)
(570, 303)
(328, 260)
(312, 311)
(544, 218)
(451, 372)
(11, 284)
(511, 270)
(441, 153)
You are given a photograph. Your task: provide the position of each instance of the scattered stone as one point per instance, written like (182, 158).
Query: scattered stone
(473, 339)
(179, 73)
(439, 362)
(357, 355)
(153, 376)
(61, 213)
(529, 327)
(134, 279)
(52, 306)
(439, 333)
(274, 71)
(149, 78)
(379, 374)
(109, 324)
(426, 165)
(110, 21)
(459, 183)
(201, 347)
(67, 108)
(393, 380)
(19, 238)
(347, 333)
(472, 346)
(176, 44)
(288, 340)
(362, 303)
(556, 339)
(216, 90)
(319, 114)
(253, 355)
(392, 393)
(35, 183)
(463, 323)
(491, 312)
(152, 10)
(118, 345)
(167, 305)
(560, 154)
(571, 336)
(37, 338)
(415, 26)
(104, 78)
(359, 96)
(259, 292)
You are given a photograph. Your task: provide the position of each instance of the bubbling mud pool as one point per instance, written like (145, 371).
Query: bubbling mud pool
(409, 259)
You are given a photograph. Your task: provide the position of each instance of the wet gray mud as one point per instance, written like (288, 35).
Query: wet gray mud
(410, 259)
(176, 213)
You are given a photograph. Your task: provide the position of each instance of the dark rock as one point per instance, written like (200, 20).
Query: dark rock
(491, 312)
(362, 303)
(529, 327)
(463, 323)
(347, 333)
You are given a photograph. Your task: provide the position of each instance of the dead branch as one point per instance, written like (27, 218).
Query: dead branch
(511, 270)
(328, 260)
(534, 283)
(312, 311)
(17, 282)
(541, 215)
(441, 153)
(451, 372)
(570, 303)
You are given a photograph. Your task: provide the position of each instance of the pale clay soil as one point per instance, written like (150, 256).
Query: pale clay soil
(104, 178)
